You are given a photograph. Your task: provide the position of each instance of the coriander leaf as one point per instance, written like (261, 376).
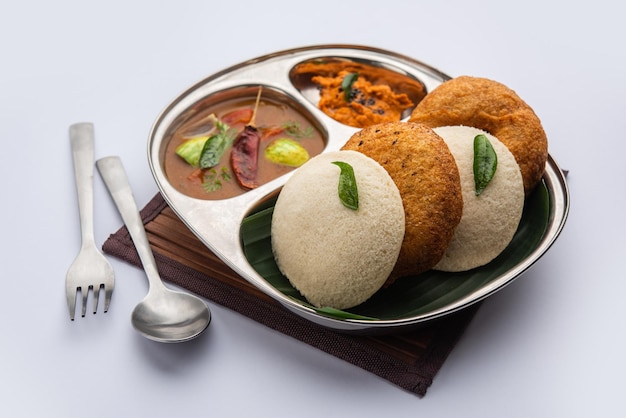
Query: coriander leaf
(293, 128)
(212, 180)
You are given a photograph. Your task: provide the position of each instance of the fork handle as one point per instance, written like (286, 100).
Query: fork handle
(82, 143)
(114, 175)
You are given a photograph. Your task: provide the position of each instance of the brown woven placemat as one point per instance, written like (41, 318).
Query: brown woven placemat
(409, 360)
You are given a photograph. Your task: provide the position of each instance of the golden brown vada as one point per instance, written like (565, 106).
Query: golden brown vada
(425, 172)
(491, 106)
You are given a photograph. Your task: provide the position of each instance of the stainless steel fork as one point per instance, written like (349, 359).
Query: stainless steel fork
(90, 269)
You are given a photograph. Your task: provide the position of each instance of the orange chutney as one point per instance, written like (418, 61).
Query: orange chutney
(377, 94)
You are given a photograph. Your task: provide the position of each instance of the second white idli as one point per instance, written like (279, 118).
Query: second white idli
(490, 220)
(335, 256)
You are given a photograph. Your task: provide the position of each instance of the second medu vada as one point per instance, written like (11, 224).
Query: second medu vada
(493, 107)
(425, 172)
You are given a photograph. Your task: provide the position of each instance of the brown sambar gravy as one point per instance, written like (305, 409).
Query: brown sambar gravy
(219, 182)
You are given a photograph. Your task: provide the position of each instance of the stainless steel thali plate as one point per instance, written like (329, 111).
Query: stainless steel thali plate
(222, 224)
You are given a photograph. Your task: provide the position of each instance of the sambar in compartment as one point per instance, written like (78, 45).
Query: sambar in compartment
(277, 117)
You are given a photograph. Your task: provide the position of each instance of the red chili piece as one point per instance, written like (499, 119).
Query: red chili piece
(244, 157)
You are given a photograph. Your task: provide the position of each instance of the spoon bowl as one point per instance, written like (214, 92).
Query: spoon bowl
(163, 315)
(169, 316)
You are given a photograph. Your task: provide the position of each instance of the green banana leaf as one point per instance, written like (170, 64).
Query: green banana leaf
(408, 296)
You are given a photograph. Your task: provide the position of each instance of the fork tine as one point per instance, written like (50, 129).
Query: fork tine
(71, 301)
(84, 293)
(108, 291)
(96, 298)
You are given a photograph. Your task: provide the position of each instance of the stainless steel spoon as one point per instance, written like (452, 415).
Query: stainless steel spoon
(163, 315)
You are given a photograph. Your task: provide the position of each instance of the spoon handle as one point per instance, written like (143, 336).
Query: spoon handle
(112, 171)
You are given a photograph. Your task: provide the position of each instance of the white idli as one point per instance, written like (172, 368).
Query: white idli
(489, 220)
(335, 256)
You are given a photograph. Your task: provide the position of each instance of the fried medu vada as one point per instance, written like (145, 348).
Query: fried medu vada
(425, 172)
(491, 106)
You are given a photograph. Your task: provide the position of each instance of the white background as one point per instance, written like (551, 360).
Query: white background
(551, 344)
